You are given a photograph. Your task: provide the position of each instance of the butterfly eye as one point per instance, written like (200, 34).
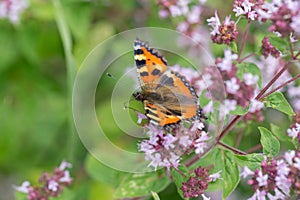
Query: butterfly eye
(138, 96)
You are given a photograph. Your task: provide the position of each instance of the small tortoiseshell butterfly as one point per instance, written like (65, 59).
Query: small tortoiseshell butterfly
(167, 96)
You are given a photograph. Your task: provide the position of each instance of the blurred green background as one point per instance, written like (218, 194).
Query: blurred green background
(39, 58)
(38, 62)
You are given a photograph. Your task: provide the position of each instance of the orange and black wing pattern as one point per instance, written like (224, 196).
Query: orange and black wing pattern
(150, 64)
(167, 96)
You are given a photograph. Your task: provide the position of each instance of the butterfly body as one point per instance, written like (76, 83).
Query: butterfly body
(167, 96)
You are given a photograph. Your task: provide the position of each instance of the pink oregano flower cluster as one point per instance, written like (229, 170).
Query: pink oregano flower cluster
(294, 130)
(51, 185)
(251, 9)
(276, 178)
(198, 183)
(222, 33)
(188, 18)
(269, 49)
(239, 91)
(165, 149)
(283, 14)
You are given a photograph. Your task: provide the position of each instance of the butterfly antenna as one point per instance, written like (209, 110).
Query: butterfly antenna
(128, 107)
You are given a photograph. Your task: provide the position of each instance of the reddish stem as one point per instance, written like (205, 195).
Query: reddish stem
(281, 86)
(243, 41)
(271, 82)
(239, 139)
(255, 148)
(228, 127)
(297, 55)
(232, 148)
(246, 57)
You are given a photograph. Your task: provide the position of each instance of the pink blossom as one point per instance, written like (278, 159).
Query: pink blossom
(193, 16)
(155, 161)
(185, 141)
(53, 185)
(246, 172)
(23, 188)
(168, 141)
(262, 179)
(226, 63)
(12, 9)
(250, 79)
(215, 23)
(215, 176)
(140, 117)
(255, 105)
(232, 85)
(229, 105)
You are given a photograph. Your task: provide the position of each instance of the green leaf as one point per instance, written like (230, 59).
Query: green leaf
(277, 101)
(270, 143)
(248, 68)
(295, 143)
(233, 47)
(155, 196)
(279, 133)
(239, 110)
(137, 185)
(279, 43)
(179, 179)
(253, 161)
(103, 173)
(8, 49)
(230, 174)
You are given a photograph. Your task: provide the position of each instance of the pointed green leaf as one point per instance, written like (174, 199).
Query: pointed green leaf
(279, 133)
(277, 101)
(142, 184)
(103, 173)
(233, 47)
(279, 43)
(230, 174)
(253, 161)
(270, 143)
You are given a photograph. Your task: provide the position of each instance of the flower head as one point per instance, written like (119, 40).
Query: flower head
(51, 185)
(268, 49)
(165, 148)
(223, 33)
(196, 184)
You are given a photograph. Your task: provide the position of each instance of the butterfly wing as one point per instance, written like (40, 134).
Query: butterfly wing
(178, 90)
(150, 64)
(168, 97)
(159, 115)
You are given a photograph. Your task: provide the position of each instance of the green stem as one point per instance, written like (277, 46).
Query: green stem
(71, 71)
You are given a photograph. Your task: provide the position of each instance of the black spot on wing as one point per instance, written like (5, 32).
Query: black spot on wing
(138, 52)
(151, 50)
(166, 80)
(155, 72)
(144, 74)
(140, 63)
